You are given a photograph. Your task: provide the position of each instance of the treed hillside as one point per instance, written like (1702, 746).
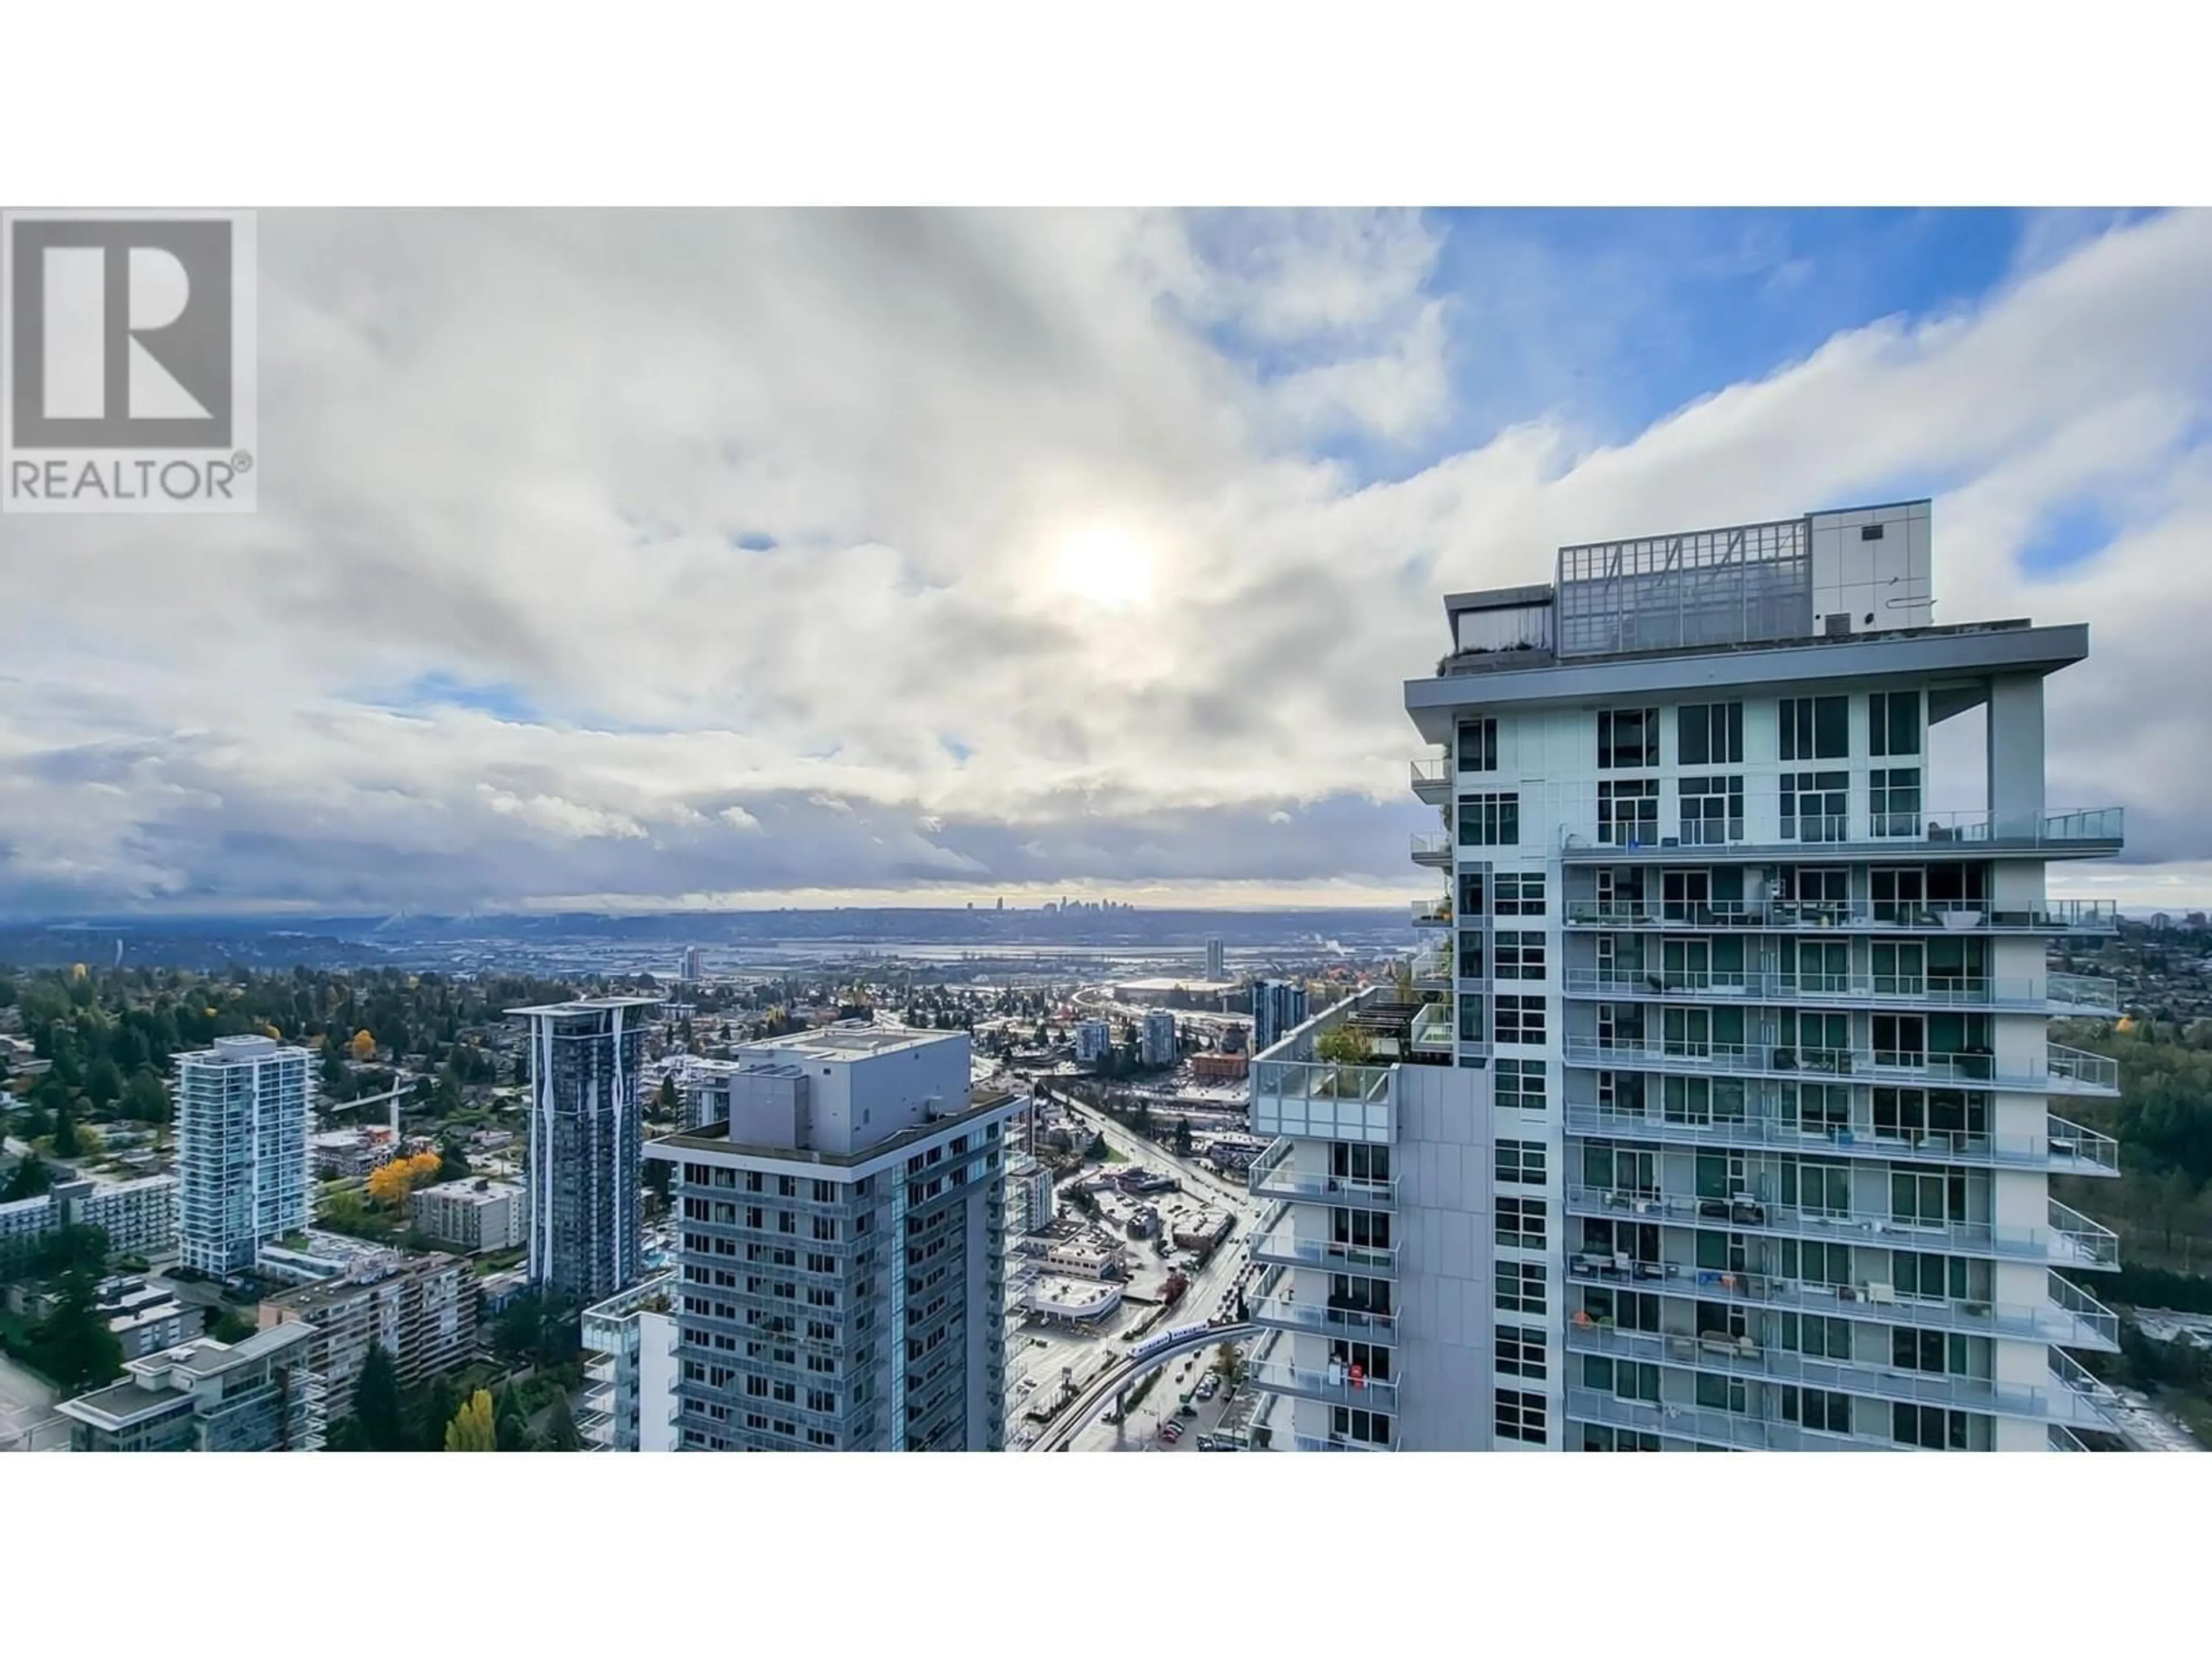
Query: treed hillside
(2161, 1206)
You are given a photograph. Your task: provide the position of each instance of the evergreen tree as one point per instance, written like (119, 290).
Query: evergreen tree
(561, 1434)
(511, 1429)
(431, 1410)
(376, 1402)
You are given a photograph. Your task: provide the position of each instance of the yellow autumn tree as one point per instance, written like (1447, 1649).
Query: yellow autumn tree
(423, 1169)
(388, 1183)
(472, 1428)
(364, 1045)
(272, 1033)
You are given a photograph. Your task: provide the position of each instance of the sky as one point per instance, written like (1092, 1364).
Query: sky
(643, 559)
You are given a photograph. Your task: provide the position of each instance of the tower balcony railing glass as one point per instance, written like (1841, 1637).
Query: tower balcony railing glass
(1432, 1029)
(1432, 847)
(1597, 833)
(2071, 1240)
(1432, 913)
(2064, 1071)
(1323, 1100)
(2098, 917)
(1278, 1245)
(2063, 1439)
(1270, 1176)
(2065, 1148)
(1307, 1442)
(2059, 995)
(1325, 1315)
(1433, 965)
(1719, 1428)
(1743, 1357)
(2070, 1318)
(1334, 1386)
(1431, 779)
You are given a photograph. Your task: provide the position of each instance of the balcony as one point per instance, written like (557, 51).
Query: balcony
(1432, 967)
(2061, 996)
(1323, 1100)
(1433, 849)
(1331, 1386)
(2072, 1241)
(1306, 1443)
(2098, 918)
(2064, 1072)
(1271, 1176)
(1433, 1032)
(1432, 913)
(2093, 832)
(2071, 1318)
(1431, 779)
(1324, 1318)
(2078, 1398)
(1741, 1358)
(1739, 1429)
(1277, 1245)
(2066, 1148)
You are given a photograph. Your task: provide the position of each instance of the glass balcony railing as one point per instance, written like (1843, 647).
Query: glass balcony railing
(1595, 831)
(2064, 1072)
(1271, 1175)
(2072, 1240)
(2060, 994)
(1432, 913)
(1719, 1428)
(1323, 1100)
(1742, 1357)
(2065, 1148)
(1306, 1443)
(1432, 966)
(1431, 778)
(2091, 916)
(2070, 1318)
(1278, 1244)
(1326, 1317)
(1432, 1029)
(1334, 1386)
(1432, 847)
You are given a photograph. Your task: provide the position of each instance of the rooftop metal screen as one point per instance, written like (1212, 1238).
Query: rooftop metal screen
(1707, 587)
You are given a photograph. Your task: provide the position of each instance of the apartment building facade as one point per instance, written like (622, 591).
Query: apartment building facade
(258, 1395)
(629, 1404)
(245, 1109)
(472, 1215)
(422, 1310)
(587, 1135)
(842, 1251)
(1279, 1006)
(1731, 1116)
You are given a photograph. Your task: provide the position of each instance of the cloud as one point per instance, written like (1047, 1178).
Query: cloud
(694, 536)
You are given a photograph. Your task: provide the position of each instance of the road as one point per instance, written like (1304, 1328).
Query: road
(24, 1401)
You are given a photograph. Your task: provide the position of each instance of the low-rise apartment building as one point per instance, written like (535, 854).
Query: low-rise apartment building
(422, 1310)
(473, 1215)
(259, 1394)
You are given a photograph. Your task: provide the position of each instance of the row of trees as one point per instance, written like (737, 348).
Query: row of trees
(71, 1346)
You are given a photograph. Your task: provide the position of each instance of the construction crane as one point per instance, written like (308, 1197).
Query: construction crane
(402, 1084)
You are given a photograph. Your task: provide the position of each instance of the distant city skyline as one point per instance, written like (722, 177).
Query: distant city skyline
(1089, 557)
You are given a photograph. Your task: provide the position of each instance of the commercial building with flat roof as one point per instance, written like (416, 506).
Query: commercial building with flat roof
(841, 1250)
